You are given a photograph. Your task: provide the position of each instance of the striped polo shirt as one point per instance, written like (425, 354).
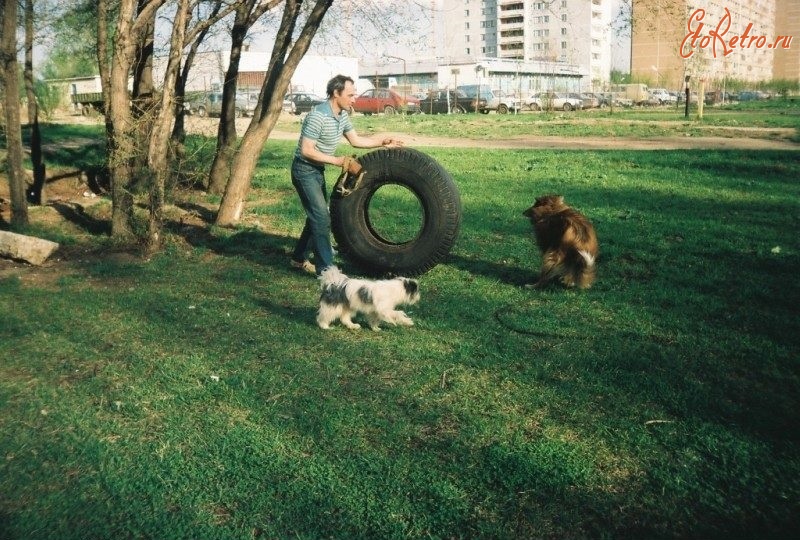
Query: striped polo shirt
(322, 126)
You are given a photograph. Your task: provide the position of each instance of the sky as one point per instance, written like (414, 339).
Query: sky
(371, 29)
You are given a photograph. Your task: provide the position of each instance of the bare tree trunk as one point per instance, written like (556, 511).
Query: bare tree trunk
(285, 58)
(197, 37)
(36, 193)
(103, 65)
(143, 99)
(10, 80)
(159, 154)
(123, 148)
(226, 133)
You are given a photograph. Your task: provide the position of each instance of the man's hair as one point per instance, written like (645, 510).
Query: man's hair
(337, 83)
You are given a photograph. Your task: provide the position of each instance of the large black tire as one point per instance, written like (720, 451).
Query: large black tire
(439, 201)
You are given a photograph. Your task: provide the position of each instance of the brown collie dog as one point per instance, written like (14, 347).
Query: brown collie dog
(567, 241)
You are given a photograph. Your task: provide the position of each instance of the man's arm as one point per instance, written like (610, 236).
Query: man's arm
(357, 141)
(308, 149)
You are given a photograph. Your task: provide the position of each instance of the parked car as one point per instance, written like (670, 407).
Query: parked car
(603, 99)
(300, 102)
(588, 100)
(508, 103)
(650, 101)
(210, 104)
(385, 100)
(663, 97)
(550, 101)
(751, 95)
(453, 101)
(490, 102)
(620, 100)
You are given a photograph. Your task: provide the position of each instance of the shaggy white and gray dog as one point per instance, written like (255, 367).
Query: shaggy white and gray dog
(343, 297)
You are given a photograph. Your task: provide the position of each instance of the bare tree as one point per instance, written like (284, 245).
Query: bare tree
(247, 13)
(131, 25)
(158, 155)
(195, 36)
(10, 81)
(286, 55)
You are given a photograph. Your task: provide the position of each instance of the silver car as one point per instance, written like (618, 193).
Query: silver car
(552, 101)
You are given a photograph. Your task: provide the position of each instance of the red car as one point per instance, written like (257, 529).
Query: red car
(383, 100)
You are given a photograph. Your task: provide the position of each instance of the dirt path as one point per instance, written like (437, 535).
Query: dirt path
(741, 138)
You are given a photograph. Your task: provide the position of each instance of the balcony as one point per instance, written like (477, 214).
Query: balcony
(511, 25)
(511, 8)
(511, 41)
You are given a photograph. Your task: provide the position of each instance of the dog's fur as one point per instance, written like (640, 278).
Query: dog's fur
(567, 241)
(343, 297)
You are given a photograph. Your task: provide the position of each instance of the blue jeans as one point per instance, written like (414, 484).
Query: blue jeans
(309, 181)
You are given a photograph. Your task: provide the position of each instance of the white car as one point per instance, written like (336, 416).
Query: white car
(552, 101)
(662, 96)
(508, 103)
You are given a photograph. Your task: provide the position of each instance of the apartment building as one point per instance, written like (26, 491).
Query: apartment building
(575, 32)
(672, 39)
(787, 60)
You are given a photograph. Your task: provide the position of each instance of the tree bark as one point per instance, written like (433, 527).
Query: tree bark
(10, 81)
(158, 154)
(143, 100)
(226, 132)
(285, 58)
(123, 149)
(36, 192)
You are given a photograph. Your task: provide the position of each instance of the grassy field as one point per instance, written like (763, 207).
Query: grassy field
(192, 396)
(765, 121)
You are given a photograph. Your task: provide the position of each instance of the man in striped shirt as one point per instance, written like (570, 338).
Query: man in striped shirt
(321, 133)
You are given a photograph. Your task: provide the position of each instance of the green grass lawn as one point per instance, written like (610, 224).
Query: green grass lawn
(192, 396)
(721, 121)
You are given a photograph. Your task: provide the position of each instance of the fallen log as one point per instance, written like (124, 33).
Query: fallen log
(25, 248)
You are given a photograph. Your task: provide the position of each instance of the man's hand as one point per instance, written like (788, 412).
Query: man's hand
(350, 165)
(391, 142)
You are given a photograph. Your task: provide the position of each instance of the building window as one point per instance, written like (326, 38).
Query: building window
(564, 17)
(563, 31)
(466, 25)
(563, 44)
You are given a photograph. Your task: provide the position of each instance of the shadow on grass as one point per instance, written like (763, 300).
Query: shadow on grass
(75, 214)
(510, 275)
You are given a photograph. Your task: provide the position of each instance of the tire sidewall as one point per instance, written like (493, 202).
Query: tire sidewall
(441, 214)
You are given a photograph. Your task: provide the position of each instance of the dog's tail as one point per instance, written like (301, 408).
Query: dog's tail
(585, 271)
(587, 257)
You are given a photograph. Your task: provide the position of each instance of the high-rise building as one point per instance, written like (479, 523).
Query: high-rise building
(787, 25)
(713, 40)
(575, 32)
